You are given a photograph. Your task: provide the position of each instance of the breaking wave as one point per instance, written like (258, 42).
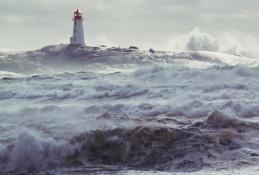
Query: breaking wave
(168, 114)
(231, 43)
(216, 141)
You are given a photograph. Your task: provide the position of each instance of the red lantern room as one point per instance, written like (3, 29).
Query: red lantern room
(77, 15)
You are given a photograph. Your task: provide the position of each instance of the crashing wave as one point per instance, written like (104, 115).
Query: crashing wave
(168, 116)
(60, 58)
(217, 140)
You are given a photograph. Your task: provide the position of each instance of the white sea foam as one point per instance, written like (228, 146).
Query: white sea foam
(226, 42)
(46, 118)
(31, 152)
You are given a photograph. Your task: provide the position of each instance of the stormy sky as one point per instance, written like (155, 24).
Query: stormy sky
(32, 24)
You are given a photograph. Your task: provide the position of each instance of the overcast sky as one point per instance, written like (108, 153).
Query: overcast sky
(31, 24)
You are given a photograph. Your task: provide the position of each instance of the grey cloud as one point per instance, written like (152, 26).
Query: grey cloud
(35, 23)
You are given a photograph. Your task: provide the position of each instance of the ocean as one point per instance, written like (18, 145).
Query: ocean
(196, 115)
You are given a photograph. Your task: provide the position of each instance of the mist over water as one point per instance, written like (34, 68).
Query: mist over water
(90, 110)
(226, 42)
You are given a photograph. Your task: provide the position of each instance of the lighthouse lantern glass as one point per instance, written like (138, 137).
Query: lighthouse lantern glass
(78, 15)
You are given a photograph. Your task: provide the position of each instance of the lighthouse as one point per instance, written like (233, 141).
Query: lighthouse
(78, 30)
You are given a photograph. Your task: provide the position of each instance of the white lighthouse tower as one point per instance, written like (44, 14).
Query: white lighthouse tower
(78, 31)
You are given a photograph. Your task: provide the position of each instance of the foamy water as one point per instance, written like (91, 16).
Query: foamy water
(166, 118)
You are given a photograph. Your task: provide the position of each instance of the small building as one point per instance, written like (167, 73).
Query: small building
(78, 29)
